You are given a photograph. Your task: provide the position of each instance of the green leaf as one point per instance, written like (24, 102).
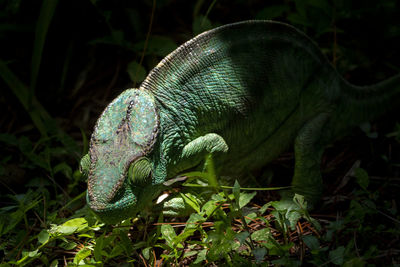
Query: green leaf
(263, 208)
(211, 176)
(125, 242)
(82, 254)
(25, 203)
(68, 246)
(30, 253)
(190, 253)
(98, 248)
(194, 220)
(250, 217)
(236, 192)
(201, 24)
(26, 255)
(259, 254)
(8, 139)
(26, 147)
(64, 168)
(301, 7)
(54, 263)
(80, 223)
(337, 256)
(311, 241)
(71, 226)
(192, 201)
(116, 251)
(157, 45)
(288, 210)
(261, 235)
(136, 72)
(356, 210)
(241, 237)
(209, 207)
(354, 262)
(272, 12)
(168, 233)
(223, 241)
(66, 230)
(245, 198)
(299, 200)
(201, 256)
(298, 19)
(43, 236)
(362, 178)
(146, 253)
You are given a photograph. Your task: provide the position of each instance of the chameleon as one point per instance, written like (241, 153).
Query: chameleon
(244, 93)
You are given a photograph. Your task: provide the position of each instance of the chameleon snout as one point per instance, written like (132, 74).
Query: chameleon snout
(115, 207)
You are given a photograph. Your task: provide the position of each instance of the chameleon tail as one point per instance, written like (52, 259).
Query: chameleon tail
(365, 103)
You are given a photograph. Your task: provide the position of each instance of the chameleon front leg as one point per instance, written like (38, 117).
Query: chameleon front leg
(308, 149)
(191, 155)
(207, 144)
(195, 151)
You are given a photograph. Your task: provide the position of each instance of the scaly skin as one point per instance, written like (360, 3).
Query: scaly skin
(244, 92)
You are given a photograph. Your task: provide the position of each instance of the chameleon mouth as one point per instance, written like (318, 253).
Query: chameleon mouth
(121, 207)
(121, 201)
(108, 187)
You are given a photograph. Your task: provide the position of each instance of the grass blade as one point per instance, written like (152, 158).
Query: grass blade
(20, 90)
(45, 16)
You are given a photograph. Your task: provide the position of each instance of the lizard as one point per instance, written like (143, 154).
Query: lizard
(243, 92)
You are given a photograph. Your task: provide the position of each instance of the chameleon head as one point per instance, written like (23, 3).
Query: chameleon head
(123, 136)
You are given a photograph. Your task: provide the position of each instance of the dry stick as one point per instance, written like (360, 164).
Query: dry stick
(144, 261)
(155, 258)
(302, 245)
(355, 244)
(146, 41)
(160, 262)
(9, 188)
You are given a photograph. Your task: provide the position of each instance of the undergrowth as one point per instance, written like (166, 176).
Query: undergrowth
(225, 226)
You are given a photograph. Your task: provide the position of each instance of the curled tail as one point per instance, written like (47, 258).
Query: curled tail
(366, 103)
(358, 104)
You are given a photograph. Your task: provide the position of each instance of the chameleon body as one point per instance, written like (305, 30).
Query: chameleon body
(243, 92)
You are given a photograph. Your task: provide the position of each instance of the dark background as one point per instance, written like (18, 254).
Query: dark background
(90, 43)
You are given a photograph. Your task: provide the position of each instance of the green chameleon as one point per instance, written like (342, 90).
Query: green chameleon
(243, 92)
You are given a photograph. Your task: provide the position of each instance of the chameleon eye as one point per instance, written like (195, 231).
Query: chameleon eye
(140, 171)
(85, 165)
(142, 115)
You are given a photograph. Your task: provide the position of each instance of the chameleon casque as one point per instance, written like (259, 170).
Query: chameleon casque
(243, 92)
